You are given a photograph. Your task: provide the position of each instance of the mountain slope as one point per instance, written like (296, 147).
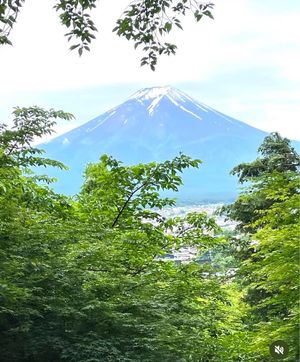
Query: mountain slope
(156, 124)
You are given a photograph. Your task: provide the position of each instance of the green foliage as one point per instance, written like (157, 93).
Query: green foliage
(272, 271)
(141, 185)
(276, 155)
(16, 142)
(144, 21)
(268, 210)
(86, 279)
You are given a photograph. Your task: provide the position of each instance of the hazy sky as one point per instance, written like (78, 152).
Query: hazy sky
(245, 64)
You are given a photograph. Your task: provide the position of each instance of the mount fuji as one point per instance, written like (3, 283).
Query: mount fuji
(155, 124)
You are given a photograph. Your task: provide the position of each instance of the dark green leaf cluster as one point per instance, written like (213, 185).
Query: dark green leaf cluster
(147, 21)
(144, 21)
(74, 15)
(9, 10)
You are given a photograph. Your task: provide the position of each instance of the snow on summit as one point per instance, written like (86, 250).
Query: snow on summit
(151, 93)
(157, 93)
(153, 96)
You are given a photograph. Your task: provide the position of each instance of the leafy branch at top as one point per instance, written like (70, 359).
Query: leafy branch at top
(145, 22)
(75, 16)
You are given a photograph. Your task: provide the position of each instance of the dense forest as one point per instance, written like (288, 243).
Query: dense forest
(85, 278)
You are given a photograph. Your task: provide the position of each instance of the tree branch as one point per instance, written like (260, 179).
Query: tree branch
(127, 201)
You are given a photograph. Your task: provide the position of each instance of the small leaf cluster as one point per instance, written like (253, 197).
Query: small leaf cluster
(75, 16)
(146, 22)
(9, 10)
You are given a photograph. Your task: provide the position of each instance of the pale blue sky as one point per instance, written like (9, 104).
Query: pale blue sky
(245, 63)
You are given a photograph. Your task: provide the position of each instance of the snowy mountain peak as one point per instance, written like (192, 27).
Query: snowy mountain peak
(151, 97)
(151, 93)
(156, 93)
(155, 124)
